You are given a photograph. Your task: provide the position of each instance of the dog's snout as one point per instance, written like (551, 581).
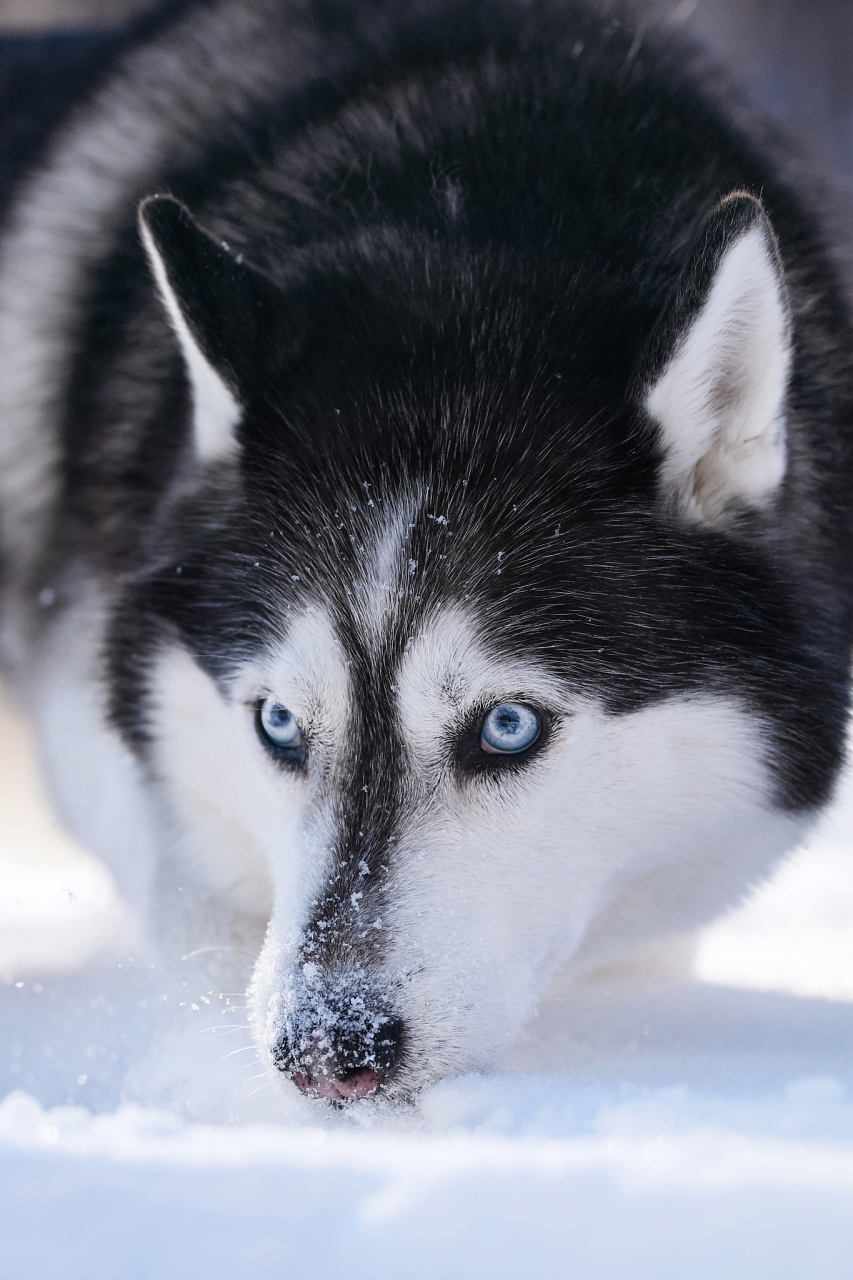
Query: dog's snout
(341, 1062)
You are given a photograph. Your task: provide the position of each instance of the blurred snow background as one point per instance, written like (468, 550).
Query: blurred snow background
(645, 1127)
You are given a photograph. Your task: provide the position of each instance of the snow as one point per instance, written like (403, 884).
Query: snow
(644, 1127)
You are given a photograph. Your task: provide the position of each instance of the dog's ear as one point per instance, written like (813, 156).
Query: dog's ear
(224, 313)
(716, 374)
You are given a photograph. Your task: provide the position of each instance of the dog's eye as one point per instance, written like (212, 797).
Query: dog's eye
(278, 729)
(510, 728)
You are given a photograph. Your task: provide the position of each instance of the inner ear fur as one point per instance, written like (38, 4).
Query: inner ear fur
(717, 368)
(224, 313)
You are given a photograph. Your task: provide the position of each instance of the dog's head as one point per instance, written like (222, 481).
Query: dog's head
(460, 650)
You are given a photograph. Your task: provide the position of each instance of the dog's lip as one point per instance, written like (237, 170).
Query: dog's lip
(361, 1085)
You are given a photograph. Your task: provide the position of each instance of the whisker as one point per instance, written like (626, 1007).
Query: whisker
(261, 1086)
(200, 951)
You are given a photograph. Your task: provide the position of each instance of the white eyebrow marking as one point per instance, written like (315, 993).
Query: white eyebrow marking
(384, 575)
(447, 669)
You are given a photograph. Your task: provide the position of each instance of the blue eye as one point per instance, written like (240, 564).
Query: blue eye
(510, 728)
(278, 727)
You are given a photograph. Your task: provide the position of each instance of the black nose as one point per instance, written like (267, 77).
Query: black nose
(340, 1061)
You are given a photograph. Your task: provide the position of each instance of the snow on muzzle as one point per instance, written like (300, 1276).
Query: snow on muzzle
(338, 1039)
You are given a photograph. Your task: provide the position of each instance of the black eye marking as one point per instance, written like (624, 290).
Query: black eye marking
(279, 732)
(503, 736)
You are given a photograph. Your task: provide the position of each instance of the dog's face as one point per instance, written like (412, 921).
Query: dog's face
(426, 882)
(459, 702)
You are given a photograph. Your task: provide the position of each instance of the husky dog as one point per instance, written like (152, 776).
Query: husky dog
(425, 505)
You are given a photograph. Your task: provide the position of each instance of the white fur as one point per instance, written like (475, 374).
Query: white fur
(99, 789)
(720, 401)
(240, 818)
(215, 410)
(624, 828)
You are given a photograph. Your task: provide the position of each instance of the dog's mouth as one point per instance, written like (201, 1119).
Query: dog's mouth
(363, 1083)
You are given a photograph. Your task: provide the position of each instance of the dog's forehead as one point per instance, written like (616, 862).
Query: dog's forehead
(424, 659)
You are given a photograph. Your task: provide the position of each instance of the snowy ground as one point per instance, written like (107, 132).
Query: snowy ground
(652, 1130)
